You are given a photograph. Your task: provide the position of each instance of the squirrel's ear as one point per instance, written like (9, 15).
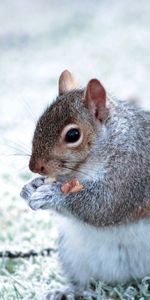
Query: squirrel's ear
(95, 99)
(66, 82)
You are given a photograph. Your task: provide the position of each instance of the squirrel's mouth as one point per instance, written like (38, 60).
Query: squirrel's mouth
(49, 168)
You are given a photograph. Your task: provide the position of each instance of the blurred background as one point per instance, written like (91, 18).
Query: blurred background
(106, 39)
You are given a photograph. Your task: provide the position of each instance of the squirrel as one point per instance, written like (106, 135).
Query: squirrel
(97, 149)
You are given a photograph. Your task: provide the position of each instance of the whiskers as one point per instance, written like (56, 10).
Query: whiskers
(29, 110)
(19, 154)
(16, 157)
(66, 167)
(18, 148)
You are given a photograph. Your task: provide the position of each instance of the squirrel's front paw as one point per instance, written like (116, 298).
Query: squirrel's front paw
(45, 197)
(31, 187)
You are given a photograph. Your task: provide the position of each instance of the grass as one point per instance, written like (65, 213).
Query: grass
(25, 279)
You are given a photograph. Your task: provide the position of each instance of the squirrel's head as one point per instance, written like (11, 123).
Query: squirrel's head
(66, 131)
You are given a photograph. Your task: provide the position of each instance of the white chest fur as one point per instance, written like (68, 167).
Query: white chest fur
(109, 254)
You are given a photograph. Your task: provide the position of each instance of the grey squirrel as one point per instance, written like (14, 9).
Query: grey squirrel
(105, 213)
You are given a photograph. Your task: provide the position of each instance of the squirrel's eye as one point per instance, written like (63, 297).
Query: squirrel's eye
(72, 135)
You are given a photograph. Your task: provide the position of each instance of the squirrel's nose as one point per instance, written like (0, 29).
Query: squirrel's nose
(37, 166)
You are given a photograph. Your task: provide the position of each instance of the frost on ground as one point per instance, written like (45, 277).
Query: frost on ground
(38, 39)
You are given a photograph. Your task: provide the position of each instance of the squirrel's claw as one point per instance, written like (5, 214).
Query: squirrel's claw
(31, 187)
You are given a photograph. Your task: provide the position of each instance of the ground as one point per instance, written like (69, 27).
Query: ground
(38, 40)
